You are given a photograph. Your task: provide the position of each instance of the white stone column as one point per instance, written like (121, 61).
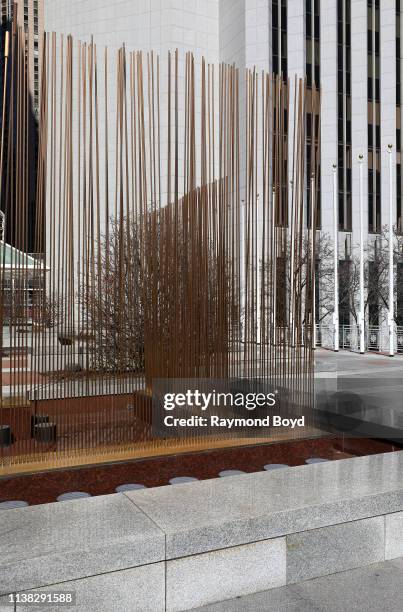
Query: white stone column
(232, 31)
(296, 62)
(329, 141)
(328, 61)
(388, 125)
(296, 45)
(258, 41)
(296, 38)
(258, 34)
(359, 113)
(232, 35)
(388, 104)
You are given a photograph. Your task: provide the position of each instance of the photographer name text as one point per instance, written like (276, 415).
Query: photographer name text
(232, 422)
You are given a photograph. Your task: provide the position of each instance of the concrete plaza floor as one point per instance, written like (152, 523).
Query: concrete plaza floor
(349, 362)
(374, 588)
(376, 381)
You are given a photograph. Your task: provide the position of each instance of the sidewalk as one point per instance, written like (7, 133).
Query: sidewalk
(377, 383)
(375, 588)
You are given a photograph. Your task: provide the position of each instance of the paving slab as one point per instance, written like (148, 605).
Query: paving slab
(230, 511)
(397, 563)
(369, 589)
(283, 599)
(51, 543)
(375, 588)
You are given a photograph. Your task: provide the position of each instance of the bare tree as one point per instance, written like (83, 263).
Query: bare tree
(324, 276)
(376, 279)
(48, 310)
(324, 273)
(294, 279)
(111, 302)
(124, 298)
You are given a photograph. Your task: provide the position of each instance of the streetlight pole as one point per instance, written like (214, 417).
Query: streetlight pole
(361, 318)
(391, 316)
(336, 262)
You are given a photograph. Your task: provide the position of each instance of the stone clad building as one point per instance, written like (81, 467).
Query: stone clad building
(351, 49)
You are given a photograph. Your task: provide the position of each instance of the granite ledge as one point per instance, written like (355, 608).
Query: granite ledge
(51, 543)
(213, 514)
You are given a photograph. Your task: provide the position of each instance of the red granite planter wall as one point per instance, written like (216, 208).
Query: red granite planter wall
(103, 479)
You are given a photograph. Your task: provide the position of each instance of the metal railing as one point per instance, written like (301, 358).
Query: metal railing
(324, 336)
(346, 337)
(376, 338)
(373, 340)
(399, 337)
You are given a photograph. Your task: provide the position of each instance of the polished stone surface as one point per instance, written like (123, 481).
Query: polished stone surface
(223, 574)
(230, 511)
(335, 549)
(127, 590)
(394, 535)
(41, 545)
(375, 588)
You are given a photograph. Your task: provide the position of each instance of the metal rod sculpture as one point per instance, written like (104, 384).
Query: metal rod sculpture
(172, 244)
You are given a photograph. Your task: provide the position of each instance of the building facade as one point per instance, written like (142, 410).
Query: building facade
(26, 17)
(30, 16)
(350, 49)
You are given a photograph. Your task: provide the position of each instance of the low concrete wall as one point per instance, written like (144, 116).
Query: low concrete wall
(180, 547)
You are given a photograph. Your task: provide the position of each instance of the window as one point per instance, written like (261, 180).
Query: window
(279, 37)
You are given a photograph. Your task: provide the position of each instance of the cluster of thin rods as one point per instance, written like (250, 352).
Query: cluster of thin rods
(171, 213)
